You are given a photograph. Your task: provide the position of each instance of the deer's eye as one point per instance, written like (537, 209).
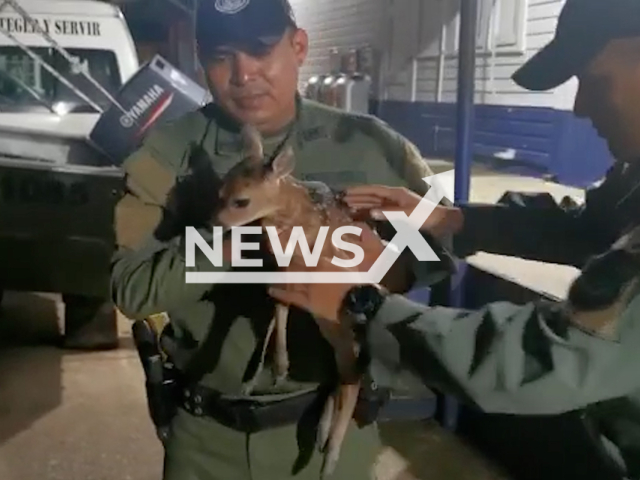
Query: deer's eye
(240, 202)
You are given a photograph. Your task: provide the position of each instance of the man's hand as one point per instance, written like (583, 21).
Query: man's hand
(375, 199)
(324, 300)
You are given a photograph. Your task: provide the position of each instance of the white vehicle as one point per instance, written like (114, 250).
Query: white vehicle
(62, 62)
(31, 96)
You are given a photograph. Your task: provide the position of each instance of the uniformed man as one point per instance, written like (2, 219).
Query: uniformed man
(542, 357)
(251, 51)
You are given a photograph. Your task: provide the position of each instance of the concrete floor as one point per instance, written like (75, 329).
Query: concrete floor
(71, 416)
(83, 416)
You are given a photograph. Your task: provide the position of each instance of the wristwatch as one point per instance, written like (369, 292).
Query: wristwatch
(363, 302)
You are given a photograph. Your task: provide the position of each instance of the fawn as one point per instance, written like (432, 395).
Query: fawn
(256, 191)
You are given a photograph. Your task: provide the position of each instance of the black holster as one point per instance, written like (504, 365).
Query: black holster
(372, 398)
(370, 402)
(161, 378)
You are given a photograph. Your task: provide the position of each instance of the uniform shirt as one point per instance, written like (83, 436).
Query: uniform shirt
(542, 357)
(171, 184)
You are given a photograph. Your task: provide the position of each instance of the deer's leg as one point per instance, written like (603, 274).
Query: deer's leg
(282, 354)
(340, 407)
(326, 421)
(345, 403)
(250, 385)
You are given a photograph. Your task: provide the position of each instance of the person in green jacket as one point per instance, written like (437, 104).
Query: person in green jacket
(251, 52)
(542, 357)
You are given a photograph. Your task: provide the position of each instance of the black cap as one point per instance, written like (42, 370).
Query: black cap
(251, 23)
(584, 28)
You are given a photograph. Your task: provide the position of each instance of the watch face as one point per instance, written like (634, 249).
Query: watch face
(364, 300)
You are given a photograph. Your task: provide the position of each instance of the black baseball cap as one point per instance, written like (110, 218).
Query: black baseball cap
(584, 28)
(252, 23)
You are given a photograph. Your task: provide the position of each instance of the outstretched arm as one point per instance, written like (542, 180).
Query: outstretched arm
(504, 358)
(527, 225)
(539, 358)
(537, 227)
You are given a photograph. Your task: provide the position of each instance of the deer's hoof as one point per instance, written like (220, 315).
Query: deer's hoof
(248, 387)
(281, 379)
(329, 464)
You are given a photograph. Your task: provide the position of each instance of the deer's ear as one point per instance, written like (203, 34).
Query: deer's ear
(252, 143)
(284, 163)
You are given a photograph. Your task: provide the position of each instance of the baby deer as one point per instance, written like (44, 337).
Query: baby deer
(256, 191)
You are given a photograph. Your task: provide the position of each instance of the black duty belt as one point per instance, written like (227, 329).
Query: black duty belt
(245, 415)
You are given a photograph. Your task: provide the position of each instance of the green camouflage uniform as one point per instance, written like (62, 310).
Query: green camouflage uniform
(148, 277)
(540, 358)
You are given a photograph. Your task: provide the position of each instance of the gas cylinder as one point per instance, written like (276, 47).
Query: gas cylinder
(327, 90)
(354, 88)
(313, 86)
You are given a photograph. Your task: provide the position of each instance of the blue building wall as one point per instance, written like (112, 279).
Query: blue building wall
(533, 141)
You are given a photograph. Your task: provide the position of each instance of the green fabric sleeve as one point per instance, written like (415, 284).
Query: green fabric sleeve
(504, 358)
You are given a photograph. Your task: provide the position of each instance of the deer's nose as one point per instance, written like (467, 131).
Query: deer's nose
(240, 202)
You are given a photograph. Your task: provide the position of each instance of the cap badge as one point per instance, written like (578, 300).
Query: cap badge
(231, 6)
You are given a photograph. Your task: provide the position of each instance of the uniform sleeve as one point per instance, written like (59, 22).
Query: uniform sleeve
(504, 358)
(405, 160)
(149, 267)
(536, 227)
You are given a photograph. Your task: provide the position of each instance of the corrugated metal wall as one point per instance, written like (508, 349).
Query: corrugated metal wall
(431, 25)
(533, 133)
(337, 23)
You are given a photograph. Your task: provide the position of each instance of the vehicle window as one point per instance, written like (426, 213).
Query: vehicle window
(27, 86)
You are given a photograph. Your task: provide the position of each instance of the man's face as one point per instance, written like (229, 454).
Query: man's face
(609, 95)
(258, 85)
